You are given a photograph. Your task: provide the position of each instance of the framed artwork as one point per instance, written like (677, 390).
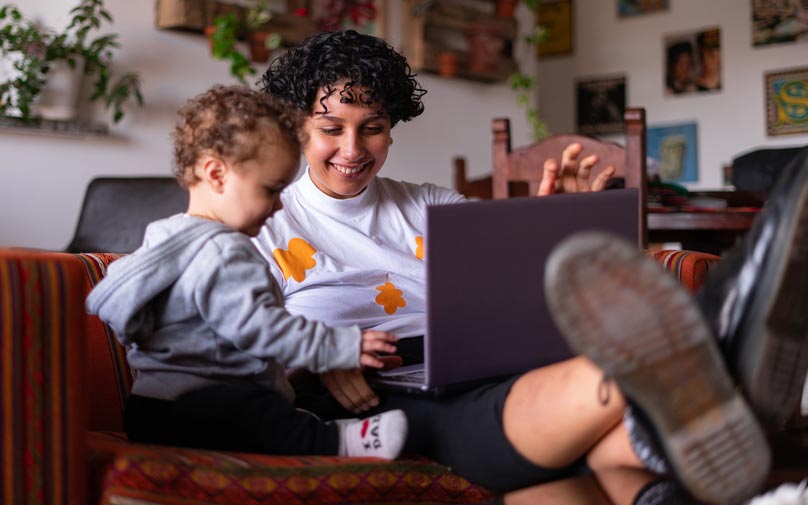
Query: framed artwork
(693, 61)
(673, 150)
(630, 8)
(779, 21)
(364, 16)
(555, 16)
(787, 102)
(600, 105)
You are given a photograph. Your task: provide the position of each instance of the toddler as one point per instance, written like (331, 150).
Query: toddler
(204, 320)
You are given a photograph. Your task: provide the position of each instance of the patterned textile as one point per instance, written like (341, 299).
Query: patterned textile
(44, 405)
(170, 475)
(689, 267)
(106, 356)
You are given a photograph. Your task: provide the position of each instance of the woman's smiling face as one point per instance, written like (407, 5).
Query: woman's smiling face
(347, 142)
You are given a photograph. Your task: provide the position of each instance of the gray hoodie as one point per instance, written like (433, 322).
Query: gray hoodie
(196, 306)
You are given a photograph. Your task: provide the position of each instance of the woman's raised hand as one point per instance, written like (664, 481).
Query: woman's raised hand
(573, 176)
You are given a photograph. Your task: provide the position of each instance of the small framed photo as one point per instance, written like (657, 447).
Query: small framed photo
(631, 8)
(779, 21)
(555, 16)
(600, 105)
(693, 62)
(786, 104)
(367, 16)
(673, 150)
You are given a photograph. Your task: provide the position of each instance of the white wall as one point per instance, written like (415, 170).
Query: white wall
(43, 177)
(729, 122)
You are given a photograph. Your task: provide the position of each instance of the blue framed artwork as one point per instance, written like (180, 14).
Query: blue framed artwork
(674, 151)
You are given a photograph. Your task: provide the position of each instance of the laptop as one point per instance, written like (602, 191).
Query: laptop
(486, 312)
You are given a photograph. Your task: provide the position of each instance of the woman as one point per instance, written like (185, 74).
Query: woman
(348, 249)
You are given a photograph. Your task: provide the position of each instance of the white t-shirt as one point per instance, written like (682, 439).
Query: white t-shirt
(357, 260)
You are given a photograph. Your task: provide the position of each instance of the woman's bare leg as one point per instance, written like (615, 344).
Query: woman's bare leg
(612, 451)
(556, 414)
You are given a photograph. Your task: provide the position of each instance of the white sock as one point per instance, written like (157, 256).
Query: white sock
(379, 436)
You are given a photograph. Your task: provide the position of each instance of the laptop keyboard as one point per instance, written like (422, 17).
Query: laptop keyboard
(410, 377)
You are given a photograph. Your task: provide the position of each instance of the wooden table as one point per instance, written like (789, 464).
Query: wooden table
(706, 230)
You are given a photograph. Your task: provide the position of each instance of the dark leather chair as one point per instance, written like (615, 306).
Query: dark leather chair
(116, 210)
(757, 170)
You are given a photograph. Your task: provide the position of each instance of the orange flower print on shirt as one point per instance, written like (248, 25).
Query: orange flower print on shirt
(419, 247)
(295, 261)
(390, 298)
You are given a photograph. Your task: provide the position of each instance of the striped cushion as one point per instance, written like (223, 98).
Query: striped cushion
(110, 378)
(689, 267)
(44, 405)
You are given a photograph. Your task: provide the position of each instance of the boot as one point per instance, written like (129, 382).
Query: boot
(756, 300)
(637, 324)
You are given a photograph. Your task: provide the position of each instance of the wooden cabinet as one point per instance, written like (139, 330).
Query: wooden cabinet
(482, 41)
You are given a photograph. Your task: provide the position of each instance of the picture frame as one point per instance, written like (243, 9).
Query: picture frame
(632, 8)
(365, 16)
(555, 16)
(673, 152)
(786, 110)
(779, 22)
(600, 103)
(693, 61)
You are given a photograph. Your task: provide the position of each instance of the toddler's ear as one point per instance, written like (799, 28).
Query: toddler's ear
(213, 171)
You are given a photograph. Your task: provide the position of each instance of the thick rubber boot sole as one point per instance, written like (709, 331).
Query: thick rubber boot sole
(773, 359)
(636, 323)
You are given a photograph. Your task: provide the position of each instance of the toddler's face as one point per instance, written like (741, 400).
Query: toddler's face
(253, 188)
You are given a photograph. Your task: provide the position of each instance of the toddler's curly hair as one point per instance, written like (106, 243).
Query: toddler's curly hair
(225, 121)
(382, 75)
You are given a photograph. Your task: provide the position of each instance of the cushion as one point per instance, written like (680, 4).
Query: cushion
(689, 267)
(171, 475)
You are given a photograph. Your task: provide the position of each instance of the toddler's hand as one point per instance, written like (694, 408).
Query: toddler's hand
(374, 341)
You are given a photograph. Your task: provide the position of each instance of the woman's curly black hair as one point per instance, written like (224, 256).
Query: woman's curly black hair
(382, 76)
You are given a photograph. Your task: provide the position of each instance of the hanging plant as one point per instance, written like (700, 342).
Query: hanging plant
(523, 84)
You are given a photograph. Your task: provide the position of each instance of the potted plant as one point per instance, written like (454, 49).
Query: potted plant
(37, 53)
(261, 41)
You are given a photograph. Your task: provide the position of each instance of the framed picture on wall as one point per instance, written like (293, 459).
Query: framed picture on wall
(693, 61)
(673, 150)
(364, 16)
(630, 8)
(600, 104)
(779, 21)
(787, 101)
(555, 16)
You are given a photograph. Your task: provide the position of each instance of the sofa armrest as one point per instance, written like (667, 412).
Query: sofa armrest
(43, 378)
(689, 267)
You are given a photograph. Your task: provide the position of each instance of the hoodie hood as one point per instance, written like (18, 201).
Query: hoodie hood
(122, 298)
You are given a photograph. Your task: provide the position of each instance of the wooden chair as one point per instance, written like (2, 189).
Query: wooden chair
(481, 188)
(526, 163)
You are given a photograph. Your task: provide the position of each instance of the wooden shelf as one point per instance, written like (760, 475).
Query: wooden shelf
(434, 27)
(39, 126)
(194, 15)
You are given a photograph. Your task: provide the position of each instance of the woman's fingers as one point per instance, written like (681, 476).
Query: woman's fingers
(602, 178)
(350, 389)
(548, 178)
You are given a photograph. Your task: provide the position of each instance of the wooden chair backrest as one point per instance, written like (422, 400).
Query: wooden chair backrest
(526, 164)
